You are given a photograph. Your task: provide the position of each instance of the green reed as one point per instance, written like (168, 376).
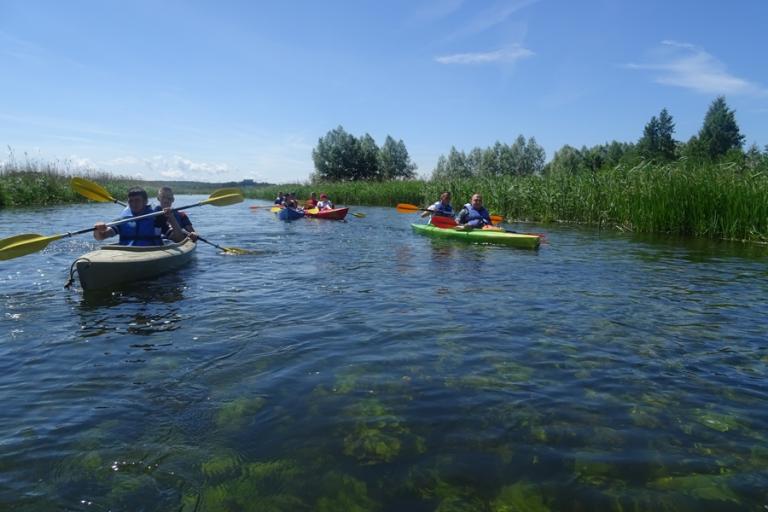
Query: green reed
(36, 183)
(712, 200)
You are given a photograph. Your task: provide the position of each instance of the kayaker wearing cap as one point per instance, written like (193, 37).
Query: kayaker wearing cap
(280, 199)
(142, 232)
(177, 222)
(312, 201)
(474, 214)
(442, 208)
(325, 203)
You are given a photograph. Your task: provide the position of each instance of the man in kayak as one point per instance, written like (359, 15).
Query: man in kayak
(442, 208)
(312, 201)
(176, 222)
(142, 232)
(291, 202)
(325, 203)
(474, 215)
(280, 199)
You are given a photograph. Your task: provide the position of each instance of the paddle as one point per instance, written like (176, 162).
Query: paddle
(412, 208)
(96, 192)
(449, 223)
(21, 245)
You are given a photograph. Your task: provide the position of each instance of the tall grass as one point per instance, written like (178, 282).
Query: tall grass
(38, 183)
(715, 201)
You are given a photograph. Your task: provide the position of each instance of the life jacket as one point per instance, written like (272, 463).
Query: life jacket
(139, 232)
(476, 218)
(325, 205)
(440, 209)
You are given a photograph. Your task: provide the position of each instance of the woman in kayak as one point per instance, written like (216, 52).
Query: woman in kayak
(442, 208)
(142, 232)
(178, 222)
(474, 214)
(325, 203)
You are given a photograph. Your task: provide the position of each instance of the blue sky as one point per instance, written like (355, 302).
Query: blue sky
(230, 90)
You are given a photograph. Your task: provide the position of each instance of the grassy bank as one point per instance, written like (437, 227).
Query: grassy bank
(714, 201)
(34, 183)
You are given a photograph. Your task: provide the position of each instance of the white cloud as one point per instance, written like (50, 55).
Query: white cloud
(434, 10)
(492, 16)
(512, 54)
(685, 65)
(179, 167)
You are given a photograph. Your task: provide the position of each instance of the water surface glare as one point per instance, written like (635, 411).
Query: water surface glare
(359, 366)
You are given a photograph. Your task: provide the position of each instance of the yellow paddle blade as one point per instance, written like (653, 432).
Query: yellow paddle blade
(312, 211)
(359, 215)
(275, 209)
(497, 218)
(236, 251)
(224, 200)
(21, 245)
(407, 208)
(91, 190)
(225, 192)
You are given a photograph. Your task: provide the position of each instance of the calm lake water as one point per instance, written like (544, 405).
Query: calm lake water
(358, 366)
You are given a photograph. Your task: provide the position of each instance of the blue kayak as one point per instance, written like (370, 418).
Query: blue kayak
(289, 214)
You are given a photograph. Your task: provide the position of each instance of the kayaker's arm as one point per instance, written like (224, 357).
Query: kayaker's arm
(101, 231)
(176, 234)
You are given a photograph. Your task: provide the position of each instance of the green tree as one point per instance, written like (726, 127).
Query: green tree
(719, 133)
(336, 156)
(657, 142)
(394, 161)
(367, 164)
(534, 157)
(452, 167)
(567, 160)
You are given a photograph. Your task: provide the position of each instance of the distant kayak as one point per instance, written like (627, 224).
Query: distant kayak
(481, 236)
(332, 214)
(289, 214)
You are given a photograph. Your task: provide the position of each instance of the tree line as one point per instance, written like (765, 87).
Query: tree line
(718, 139)
(340, 156)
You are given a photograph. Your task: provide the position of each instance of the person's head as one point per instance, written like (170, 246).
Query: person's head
(137, 199)
(445, 197)
(324, 197)
(477, 201)
(313, 195)
(280, 194)
(165, 196)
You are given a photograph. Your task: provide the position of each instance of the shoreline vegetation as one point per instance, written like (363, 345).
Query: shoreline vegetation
(719, 201)
(708, 187)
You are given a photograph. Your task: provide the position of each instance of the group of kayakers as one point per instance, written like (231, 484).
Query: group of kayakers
(472, 215)
(289, 200)
(173, 225)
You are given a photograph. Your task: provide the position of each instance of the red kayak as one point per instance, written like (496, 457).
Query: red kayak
(334, 214)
